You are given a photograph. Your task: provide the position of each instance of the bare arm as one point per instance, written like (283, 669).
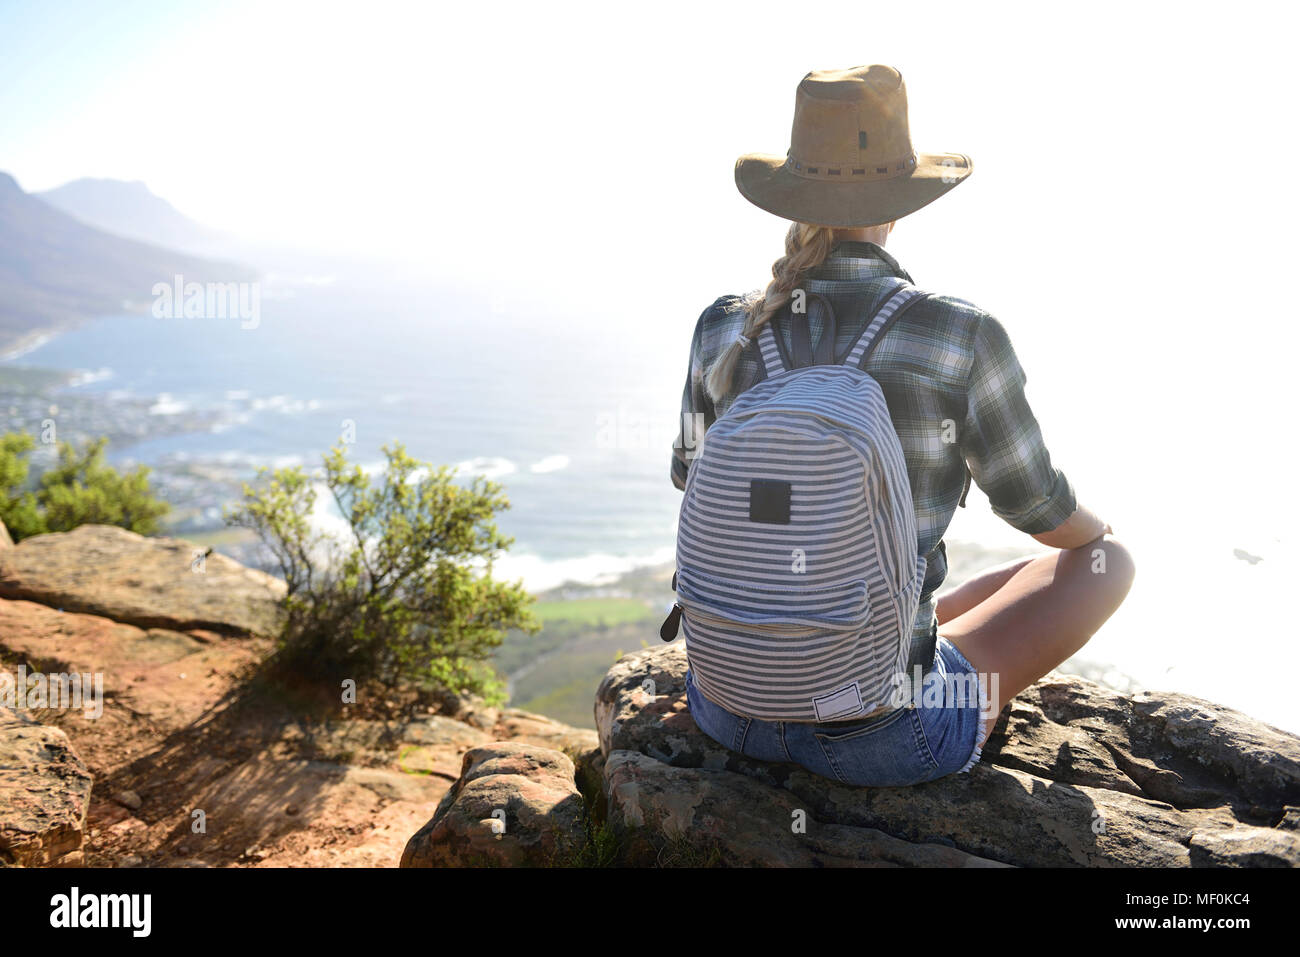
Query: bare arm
(1082, 528)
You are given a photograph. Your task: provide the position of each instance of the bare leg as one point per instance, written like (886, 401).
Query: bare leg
(975, 589)
(1044, 610)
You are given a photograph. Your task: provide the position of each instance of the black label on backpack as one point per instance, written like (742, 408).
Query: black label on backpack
(769, 501)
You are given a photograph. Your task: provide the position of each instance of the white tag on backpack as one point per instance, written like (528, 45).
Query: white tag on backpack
(838, 704)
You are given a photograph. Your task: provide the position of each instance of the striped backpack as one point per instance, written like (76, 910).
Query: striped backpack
(798, 574)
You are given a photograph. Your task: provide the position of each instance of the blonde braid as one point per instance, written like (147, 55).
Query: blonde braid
(806, 247)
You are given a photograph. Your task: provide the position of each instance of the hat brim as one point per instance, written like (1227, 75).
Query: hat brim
(769, 184)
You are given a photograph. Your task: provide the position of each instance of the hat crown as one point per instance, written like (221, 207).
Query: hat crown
(851, 162)
(851, 119)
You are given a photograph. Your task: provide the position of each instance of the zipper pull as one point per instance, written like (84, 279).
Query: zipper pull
(668, 630)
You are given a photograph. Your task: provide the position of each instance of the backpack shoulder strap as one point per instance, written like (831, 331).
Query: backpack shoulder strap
(770, 351)
(904, 296)
(777, 359)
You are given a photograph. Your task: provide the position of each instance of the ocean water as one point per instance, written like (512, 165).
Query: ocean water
(574, 410)
(581, 445)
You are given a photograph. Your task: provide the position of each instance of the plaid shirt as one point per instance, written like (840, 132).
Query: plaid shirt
(955, 392)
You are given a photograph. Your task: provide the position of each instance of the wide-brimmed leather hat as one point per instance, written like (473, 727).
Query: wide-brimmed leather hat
(851, 160)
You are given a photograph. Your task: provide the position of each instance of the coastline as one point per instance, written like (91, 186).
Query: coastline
(27, 342)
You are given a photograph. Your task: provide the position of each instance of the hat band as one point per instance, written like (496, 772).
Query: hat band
(842, 173)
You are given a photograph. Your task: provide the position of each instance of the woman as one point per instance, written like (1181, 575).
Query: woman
(955, 394)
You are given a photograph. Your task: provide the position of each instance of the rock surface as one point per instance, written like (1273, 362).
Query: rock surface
(518, 725)
(177, 732)
(44, 794)
(515, 804)
(1073, 774)
(169, 677)
(718, 818)
(146, 582)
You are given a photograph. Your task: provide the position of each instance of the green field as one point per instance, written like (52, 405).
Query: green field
(584, 631)
(20, 380)
(592, 612)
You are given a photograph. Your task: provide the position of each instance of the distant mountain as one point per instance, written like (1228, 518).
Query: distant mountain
(130, 210)
(56, 270)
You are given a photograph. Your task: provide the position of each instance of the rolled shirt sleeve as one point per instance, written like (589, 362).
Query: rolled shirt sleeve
(1003, 444)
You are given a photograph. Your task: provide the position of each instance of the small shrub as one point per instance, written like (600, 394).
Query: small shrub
(407, 593)
(81, 489)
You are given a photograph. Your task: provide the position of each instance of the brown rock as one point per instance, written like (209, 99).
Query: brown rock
(514, 805)
(1073, 774)
(1245, 847)
(147, 582)
(518, 725)
(140, 669)
(439, 731)
(268, 797)
(303, 792)
(437, 745)
(695, 817)
(473, 710)
(44, 794)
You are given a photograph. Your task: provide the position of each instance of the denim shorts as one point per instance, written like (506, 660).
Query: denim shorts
(921, 741)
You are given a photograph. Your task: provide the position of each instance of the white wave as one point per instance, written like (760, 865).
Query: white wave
(87, 376)
(235, 459)
(29, 344)
(285, 405)
(166, 405)
(552, 463)
(539, 574)
(285, 461)
(490, 467)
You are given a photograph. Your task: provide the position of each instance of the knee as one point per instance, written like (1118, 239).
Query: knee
(1111, 562)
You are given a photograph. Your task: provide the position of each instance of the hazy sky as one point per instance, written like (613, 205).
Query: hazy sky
(1132, 168)
(595, 132)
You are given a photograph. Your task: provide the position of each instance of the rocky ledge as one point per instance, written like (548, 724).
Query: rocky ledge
(147, 582)
(176, 732)
(1073, 775)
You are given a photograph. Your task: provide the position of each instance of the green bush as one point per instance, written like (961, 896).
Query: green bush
(406, 594)
(81, 489)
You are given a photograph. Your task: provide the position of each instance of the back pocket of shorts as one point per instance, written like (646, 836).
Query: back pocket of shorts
(888, 753)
